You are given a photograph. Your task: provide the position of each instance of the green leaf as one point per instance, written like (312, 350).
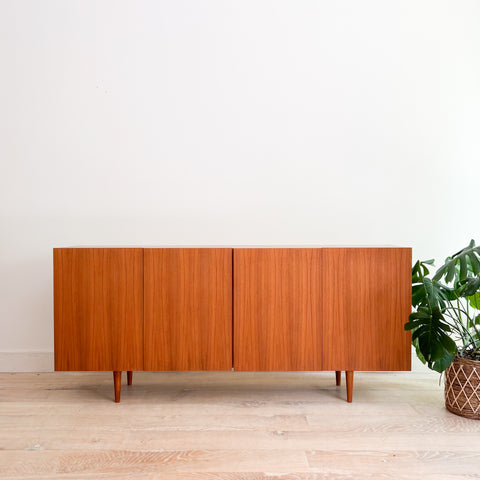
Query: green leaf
(474, 300)
(463, 268)
(463, 250)
(450, 271)
(430, 292)
(430, 334)
(422, 312)
(434, 294)
(448, 344)
(475, 262)
(419, 353)
(443, 363)
(468, 287)
(418, 294)
(467, 260)
(440, 272)
(445, 327)
(437, 352)
(449, 293)
(416, 269)
(420, 270)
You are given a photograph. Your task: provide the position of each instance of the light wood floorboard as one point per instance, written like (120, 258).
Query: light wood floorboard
(232, 426)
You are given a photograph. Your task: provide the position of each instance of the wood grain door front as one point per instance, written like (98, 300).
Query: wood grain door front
(277, 309)
(98, 308)
(188, 309)
(367, 300)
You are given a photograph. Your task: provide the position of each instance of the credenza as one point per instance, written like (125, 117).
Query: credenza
(247, 309)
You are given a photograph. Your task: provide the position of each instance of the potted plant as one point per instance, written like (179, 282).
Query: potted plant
(445, 324)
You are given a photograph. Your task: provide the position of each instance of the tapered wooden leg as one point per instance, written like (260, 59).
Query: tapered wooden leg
(349, 377)
(129, 377)
(117, 383)
(338, 377)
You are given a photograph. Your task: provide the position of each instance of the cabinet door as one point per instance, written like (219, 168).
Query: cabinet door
(367, 300)
(98, 308)
(188, 308)
(277, 309)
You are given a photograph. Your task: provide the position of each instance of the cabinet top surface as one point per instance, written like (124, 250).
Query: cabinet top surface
(232, 246)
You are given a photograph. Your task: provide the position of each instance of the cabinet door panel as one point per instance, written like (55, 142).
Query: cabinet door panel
(277, 309)
(188, 308)
(367, 300)
(98, 308)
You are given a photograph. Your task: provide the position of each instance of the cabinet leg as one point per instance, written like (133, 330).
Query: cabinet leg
(349, 378)
(338, 377)
(129, 377)
(117, 383)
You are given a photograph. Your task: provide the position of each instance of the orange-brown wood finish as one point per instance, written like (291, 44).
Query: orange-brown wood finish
(129, 377)
(188, 308)
(117, 385)
(366, 301)
(98, 308)
(338, 378)
(349, 382)
(277, 309)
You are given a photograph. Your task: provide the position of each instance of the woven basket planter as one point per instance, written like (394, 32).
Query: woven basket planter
(462, 388)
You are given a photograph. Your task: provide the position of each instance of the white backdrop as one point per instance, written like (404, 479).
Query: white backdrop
(229, 122)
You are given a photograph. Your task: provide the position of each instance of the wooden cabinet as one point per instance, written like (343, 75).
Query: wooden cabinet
(260, 309)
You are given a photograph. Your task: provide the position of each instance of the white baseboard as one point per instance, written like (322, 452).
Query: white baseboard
(26, 362)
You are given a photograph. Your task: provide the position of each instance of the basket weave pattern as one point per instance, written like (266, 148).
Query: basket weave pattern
(462, 388)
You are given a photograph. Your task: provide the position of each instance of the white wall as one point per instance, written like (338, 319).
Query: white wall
(229, 122)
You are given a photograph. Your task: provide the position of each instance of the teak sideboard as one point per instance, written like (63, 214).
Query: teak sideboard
(248, 309)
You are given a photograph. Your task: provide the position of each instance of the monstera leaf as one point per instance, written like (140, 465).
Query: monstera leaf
(466, 260)
(429, 293)
(421, 270)
(431, 337)
(468, 287)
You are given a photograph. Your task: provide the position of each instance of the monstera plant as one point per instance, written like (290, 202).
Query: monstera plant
(445, 325)
(446, 317)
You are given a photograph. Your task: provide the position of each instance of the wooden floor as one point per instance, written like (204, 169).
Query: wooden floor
(232, 426)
